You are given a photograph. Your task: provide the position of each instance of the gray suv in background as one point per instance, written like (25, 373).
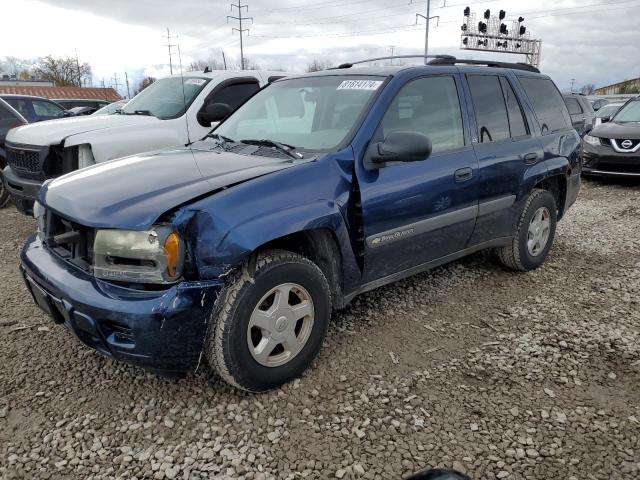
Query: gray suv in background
(9, 118)
(581, 111)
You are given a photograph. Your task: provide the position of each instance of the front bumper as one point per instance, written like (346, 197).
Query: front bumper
(604, 161)
(23, 191)
(162, 331)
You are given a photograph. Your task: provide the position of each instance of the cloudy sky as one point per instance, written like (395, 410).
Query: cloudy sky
(591, 41)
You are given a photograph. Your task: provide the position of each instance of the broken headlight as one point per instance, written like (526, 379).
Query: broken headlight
(153, 256)
(39, 214)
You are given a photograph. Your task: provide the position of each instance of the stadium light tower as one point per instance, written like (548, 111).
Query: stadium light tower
(492, 34)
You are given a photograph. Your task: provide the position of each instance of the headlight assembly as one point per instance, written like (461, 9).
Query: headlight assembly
(591, 140)
(153, 256)
(39, 214)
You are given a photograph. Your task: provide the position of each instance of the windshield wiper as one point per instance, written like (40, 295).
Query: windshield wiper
(223, 141)
(289, 150)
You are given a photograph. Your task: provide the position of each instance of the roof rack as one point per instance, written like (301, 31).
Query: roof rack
(447, 60)
(489, 63)
(392, 57)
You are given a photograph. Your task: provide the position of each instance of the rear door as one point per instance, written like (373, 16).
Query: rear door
(420, 211)
(576, 112)
(505, 148)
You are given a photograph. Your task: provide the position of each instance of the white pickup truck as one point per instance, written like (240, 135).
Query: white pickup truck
(175, 110)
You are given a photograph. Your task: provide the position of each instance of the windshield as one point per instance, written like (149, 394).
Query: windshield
(165, 98)
(312, 113)
(607, 111)
(629, 113)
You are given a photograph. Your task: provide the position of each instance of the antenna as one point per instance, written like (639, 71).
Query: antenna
(184, 95)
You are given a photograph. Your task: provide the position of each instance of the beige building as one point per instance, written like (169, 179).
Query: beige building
(628, 86)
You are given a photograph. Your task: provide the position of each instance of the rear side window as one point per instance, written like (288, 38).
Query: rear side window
(235, 94)
(573, 105)
(548, 104)
(430, 106)
(490, 108)
(517, 123)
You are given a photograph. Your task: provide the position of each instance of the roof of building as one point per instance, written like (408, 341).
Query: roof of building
(88, 93)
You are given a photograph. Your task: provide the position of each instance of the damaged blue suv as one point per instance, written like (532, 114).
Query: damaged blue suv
(236, 249)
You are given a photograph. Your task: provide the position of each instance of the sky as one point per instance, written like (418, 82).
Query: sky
(590, 41)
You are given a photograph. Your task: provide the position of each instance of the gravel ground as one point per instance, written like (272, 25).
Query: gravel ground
(497, 374)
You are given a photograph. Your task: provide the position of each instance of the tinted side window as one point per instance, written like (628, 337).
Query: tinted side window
(6, 114)
(517, 123)
(573, 105)
(429, 106)
(46, 109)
(23, 107)
(548, 104)
(491, 111)
(234, 95)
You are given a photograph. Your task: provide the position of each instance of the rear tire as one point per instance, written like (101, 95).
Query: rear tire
(534, 233)
(269, 326)
(4, 193)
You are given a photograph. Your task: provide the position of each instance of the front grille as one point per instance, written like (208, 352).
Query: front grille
(71, 241)
(23, 160)
(626, 144)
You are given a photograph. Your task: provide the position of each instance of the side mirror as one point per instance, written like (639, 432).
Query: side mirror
(67, 113)
(606, 119)
(215, 112)
(399, 147)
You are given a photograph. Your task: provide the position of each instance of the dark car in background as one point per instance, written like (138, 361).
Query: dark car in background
(9, 118)
(35, 109)
(612, 149)
(69, 103)
(581, 111)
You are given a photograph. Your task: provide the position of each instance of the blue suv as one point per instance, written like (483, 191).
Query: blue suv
(236, 249)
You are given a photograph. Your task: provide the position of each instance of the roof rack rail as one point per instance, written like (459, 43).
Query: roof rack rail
(441, 60)
(392, 57)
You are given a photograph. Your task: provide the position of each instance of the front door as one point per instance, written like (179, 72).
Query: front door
(420, 211)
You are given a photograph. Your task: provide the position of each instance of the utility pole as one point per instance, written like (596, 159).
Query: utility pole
(224, 60)
(116, 85)
(392, 49)
(573, 80)
(426, 30)
(126, 76)
(78, 69)
(169, 45)
(240, 30)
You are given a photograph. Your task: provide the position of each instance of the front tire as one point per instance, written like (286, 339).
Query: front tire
(534, 233)
(269, 326)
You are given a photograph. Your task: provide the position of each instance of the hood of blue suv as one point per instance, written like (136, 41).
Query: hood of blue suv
(133, 192)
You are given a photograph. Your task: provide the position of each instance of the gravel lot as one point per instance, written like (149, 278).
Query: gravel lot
(529, 376)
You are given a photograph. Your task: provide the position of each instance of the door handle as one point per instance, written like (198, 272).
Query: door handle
(463, 174)
(530, 158)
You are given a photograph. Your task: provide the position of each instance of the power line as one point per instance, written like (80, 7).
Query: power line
(240, 30)
(169, 45)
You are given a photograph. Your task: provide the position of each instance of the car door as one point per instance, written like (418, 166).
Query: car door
(577, 114)
(418, 212)
(505, 148)
(233, 92)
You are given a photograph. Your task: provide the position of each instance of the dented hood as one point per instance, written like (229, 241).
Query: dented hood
(131, 193)
(54, 132)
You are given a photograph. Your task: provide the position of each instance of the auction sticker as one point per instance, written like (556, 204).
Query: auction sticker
(360, 85)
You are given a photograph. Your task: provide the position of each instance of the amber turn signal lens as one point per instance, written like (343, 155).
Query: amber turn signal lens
(172, 249)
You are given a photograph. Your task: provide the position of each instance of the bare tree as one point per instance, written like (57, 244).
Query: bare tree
(318, 65)
(63, 72)
(588, 89)
(144, 83)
